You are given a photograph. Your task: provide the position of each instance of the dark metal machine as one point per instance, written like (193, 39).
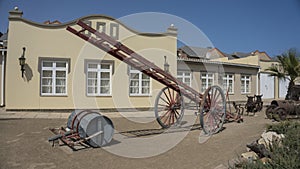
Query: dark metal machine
(285, 109)
(254, 104)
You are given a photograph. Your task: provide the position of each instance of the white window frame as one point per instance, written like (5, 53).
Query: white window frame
(98, 71)
(114, 30)
(54, 69)
(207, 77)
(185, 76)
(226, 80)
(101, 27)
(245, 79)
(140, 75)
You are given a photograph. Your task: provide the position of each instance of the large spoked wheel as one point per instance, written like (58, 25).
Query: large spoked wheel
(212, 110)
(169, 107)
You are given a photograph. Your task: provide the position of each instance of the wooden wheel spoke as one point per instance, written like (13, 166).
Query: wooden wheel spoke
(164, 115)
(167, 98)
(167, 116)
(173, 117)
(163, 105)
(176, 114)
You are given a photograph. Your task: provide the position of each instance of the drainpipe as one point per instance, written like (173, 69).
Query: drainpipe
(257, 82)
(2, 77)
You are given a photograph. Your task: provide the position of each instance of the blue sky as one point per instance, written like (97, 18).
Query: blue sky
(231, 25)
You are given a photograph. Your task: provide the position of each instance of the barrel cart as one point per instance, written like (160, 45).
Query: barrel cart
(85, 128)
(169, 104)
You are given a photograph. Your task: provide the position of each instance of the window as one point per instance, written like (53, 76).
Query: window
(114, 30)
(184, 77)
(89, 23)
(54, 77)
(101, 27)
(139, 83)
(207, 80)
(245, 84)
(99, 79)
(228, 83)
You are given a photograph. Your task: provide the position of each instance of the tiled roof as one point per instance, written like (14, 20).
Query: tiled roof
(195, 51)
(240, 54)
(3, 37)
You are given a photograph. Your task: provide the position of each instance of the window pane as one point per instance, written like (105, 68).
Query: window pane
(61, 74)
(145, 83)
(144, 76)
(187, 80)
(134, 76)
(92, 90)
(61, 64)
(145, 90)
(134, 83)
(93, 66)
(47, 64)
(104, 90)
(92, 74)
(105, 75)
(47, 73)
(46, 89)
(60, 89)
(47, 81)
(60, 82)
(105, 66)
(134, 90)
(104, 83)
(92, 82)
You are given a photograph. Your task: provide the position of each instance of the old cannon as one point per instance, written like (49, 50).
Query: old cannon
(86, 128)
(283, 109)
(254, 104)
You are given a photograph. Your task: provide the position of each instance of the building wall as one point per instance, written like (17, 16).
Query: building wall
(218, 70)
(1, 76)
(54, 41)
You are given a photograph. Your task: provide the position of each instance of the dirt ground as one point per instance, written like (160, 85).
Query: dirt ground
(24, 145)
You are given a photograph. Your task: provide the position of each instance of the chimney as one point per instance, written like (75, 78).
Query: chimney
(172, 30)
(15, 13)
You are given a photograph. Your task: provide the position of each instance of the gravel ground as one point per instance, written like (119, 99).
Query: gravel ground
(24, 145)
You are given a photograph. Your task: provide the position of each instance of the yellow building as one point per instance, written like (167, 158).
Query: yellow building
(63, 71)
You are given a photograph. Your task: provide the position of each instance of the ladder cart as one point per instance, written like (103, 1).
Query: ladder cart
(169, 103)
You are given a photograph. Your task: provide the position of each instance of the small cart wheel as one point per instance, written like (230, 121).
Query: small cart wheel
(212, 110)
(169, 108)
(281, 113)
(269, 112)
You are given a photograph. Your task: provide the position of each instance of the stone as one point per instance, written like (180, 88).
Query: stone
(263, 142)
(270, 137)
(264, 160)
(250, 156)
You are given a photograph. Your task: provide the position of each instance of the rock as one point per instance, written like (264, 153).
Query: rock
(265, 160)
(271, 136)
(263, 142)
(259, 149)
(250, 156)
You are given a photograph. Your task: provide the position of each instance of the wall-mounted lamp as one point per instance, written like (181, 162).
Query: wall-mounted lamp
(22, 61)
(166, 65)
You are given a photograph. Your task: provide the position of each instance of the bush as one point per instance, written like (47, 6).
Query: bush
(284, 155)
